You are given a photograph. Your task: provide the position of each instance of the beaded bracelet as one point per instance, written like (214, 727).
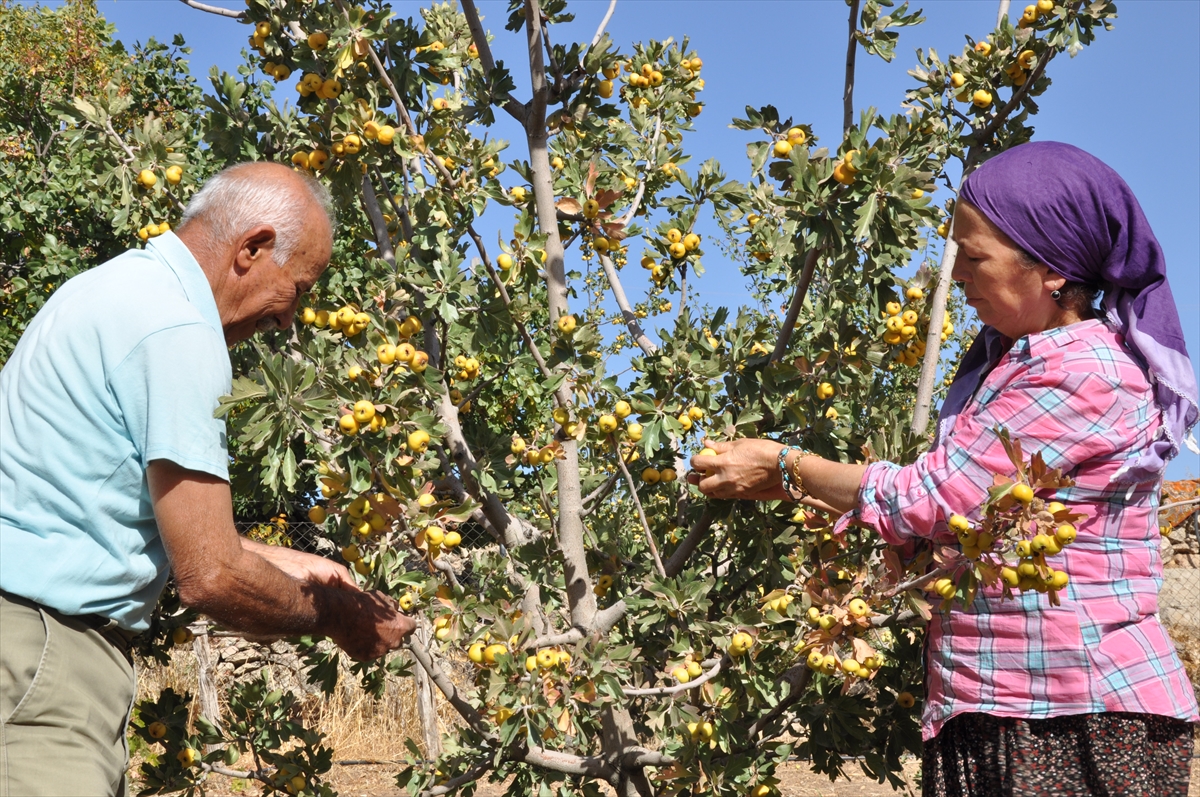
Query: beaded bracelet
(793, 485)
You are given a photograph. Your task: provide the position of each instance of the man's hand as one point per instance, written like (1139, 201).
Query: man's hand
(370, 626)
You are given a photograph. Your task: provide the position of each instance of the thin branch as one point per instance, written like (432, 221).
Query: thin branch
(793, 312)
(445, 567)
(1002, 115)
(262, 775)
(470, 776)
(240, 16)
(674, 690)
(600, 492)
(631, 319)
(504, 297)
(1175, 504)
(851, 53)
(793, 696)
(919, 581)
(604, 620)
(637, 502)
(690, 543)
(479, 36)
(569, 764)
(612, 6)
(447, 687)
(1002, 13)
(651, 165)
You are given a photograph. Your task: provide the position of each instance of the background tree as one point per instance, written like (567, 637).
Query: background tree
(624, 628)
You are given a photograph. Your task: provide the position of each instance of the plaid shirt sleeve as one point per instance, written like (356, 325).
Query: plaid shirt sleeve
(1078, 397)
(1071, 416)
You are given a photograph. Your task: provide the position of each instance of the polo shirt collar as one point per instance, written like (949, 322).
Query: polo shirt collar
(177, 257)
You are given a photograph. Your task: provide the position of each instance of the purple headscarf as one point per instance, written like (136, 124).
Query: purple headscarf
(1075, 214)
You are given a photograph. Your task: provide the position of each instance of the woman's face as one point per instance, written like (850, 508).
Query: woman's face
(1004, 292)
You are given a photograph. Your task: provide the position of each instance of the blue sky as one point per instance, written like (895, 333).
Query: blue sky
(1132, 98)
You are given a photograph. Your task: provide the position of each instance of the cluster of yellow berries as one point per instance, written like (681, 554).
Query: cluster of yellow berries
(148, 179)
(657, 272)
(153, 230)
(701, 731)
(546, 660)
(1033, 13)
(780, 604)
(363, 417)
(345, 319)
(603, 584)
(679, 244)
(468, 367)
(829, 664)
(433, 539)
(740, 645)
(689, 670)
(648, 75)
(796, 137)
(258, 39)
(845, 172)
(1018, 69)
(904, 326)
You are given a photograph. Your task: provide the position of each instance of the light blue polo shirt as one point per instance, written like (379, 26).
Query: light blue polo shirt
(123, 365)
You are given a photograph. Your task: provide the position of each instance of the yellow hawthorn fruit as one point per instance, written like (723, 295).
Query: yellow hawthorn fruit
(622, 409)
(364, 411)
(634, 432)
(385, 135)
(1059, 579)
(317, 159)
(1045, 7)
(156, 730)
(452, 539)
(691, 241)
(566, 324)
(983, 48)
(308, 316)
(386, 353)
(843, 175)
(317, 514)
(330, 90)
(318, 41)
(418, 441)
(607, 424)
(957, 80)
(678, 250)
(943, 229)
(182, 635)
(281, 72)
(651, 475)
(1010, 576)
(694, 669)
(696, 414)
(187, 757)
(419, 362)
(174, 174)
(982, 98)
(905, 700)
(475, 652)
(796, 137)
(831, 414)
(348, 425)
(434, 535)
(959, 524)
(1065, 534)
(893, 308)
(740, 644)
(491, 652)
(352, 144)
(762, 790)
(667, 475)
(681, 674)
(405, 353)
(944, 587)
(144, 234)
(546, 455)
(915, 294)
(824, 391)
(859, 608)
(782, 149)
(518, 446)
(1054, 507)
(351, 553)
(815, 660)
(1023, 493)
(147, 178)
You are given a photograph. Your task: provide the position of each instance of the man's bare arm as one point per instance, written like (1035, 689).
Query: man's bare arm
(228, 581)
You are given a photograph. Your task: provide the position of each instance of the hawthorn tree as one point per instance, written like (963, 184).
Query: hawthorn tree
(621, 627)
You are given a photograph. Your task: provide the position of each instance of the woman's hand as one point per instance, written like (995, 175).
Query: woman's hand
(747, 469)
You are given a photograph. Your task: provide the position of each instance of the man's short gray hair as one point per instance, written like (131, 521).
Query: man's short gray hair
(235, 199)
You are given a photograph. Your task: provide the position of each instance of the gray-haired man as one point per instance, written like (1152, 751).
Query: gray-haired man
(113, 470)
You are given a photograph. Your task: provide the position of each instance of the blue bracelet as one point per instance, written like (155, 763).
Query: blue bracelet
(788, 487)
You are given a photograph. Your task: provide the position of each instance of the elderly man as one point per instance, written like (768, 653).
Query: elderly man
(113, 469)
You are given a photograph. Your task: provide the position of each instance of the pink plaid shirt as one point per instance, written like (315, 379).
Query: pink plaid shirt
(1077, 395)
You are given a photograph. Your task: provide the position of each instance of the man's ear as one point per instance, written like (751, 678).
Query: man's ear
(254, 247)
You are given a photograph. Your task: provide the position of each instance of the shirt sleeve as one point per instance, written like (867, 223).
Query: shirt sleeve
(1070, 417)
(168, 388)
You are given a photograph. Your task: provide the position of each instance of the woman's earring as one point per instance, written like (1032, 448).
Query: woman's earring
(1056, 295)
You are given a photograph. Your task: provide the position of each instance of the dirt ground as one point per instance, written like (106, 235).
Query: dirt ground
(796, 781)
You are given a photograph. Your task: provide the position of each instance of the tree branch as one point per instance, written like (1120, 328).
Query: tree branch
(612, 440)
(240, 16)
(605, 619)
(674, 690)
(449, 690)
(612, 6)
(470, 776)
(851, 54)
(690, 543)
(631, 319)
(515, 109)
(793, 312)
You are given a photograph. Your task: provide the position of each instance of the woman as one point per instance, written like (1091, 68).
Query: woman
(1024, 698)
